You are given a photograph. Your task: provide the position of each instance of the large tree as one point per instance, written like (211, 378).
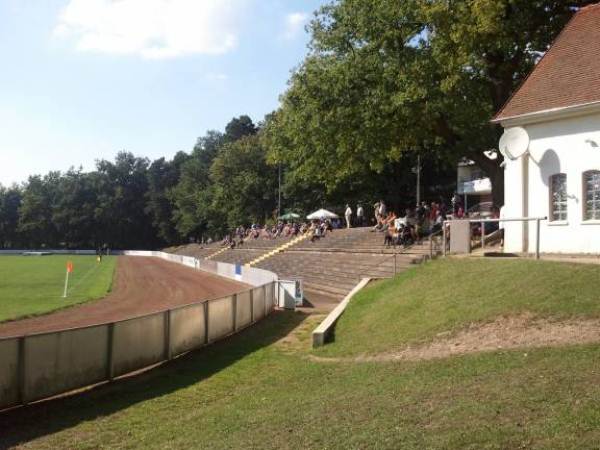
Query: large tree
(163, 176)
(244, 185)
(121, 214)
(36, 208)
(386, 78)
(199, 209)
(10, 201)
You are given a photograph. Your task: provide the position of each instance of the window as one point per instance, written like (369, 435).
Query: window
(558, 197)
(591, 195)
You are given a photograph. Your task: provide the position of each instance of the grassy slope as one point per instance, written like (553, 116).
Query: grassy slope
(448, 294)
(34, 285)
(257, 391)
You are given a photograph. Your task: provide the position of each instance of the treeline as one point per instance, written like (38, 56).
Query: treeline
(384, 83)
(132, 202)
(228, 179)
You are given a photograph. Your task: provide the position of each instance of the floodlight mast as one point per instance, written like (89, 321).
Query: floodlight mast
(418, 180)
(279, 191)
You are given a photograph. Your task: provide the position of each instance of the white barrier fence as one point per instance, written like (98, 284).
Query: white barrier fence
(38, 366)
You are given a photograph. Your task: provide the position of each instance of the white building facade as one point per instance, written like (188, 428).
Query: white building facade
(557, 173)
(558, 178)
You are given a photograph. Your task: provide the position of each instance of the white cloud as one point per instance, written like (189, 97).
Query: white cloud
(294, 24)
(153, 29)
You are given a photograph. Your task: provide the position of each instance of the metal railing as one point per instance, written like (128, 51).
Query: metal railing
(482, 222)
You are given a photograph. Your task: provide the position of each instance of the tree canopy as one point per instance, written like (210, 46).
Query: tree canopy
(384, 82)
(389, 78)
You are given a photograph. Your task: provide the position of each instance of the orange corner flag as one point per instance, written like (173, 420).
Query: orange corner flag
(69, 267)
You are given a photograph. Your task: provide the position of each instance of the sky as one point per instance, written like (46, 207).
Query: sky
(81, 80)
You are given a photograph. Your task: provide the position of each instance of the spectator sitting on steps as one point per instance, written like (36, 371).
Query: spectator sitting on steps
(315, 229)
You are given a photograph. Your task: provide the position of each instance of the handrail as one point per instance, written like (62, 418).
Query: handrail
(482, 221)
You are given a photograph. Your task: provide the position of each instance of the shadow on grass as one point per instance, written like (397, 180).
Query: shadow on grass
(27, 423)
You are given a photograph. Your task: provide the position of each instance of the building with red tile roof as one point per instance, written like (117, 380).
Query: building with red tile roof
(556, 115)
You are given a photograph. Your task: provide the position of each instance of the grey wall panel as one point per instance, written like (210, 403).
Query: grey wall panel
(243, 310)
(220, 318)
(208, 265)
(258, 298)
(9, 372)
(270, 296)
(60, 362)
(187, 328)
(460, 236)
(138, 343)
(226, 270)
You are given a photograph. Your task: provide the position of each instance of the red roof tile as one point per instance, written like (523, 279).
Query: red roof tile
(567, 75)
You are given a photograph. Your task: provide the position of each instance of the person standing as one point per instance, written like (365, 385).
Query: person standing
(382, 209)
(348, 215)
(360, 215)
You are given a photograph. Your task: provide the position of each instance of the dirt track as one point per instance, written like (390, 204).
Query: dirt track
(141, 285)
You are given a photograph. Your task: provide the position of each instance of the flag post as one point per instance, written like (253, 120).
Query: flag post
(69, 270)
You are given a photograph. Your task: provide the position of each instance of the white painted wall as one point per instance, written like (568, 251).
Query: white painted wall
(565, 150)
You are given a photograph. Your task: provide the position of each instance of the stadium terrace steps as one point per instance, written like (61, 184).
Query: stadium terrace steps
(279, 249)
(329, 267)
(217, 253)
(195, 250)
(336, 273)
(239, 255)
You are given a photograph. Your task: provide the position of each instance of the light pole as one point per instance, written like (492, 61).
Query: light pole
(279, 192)
(417, 170)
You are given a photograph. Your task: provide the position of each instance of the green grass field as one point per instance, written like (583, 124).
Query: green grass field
(262, 390)
(449, 294)
(33, 285)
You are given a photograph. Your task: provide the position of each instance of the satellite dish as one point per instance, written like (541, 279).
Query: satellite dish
(514, 143)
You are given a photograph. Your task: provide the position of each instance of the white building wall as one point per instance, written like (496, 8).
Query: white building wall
(513, 205)
(566, 146)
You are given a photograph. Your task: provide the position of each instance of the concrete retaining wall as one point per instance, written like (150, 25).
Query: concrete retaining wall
(245, 274)
(323, 331)
(243, 310)
(9, 372)
(58, 362)
(187, 328)
(138, 343)
(220, 318)
(38, 366)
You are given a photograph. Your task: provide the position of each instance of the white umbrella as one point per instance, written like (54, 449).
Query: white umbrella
(322, 214)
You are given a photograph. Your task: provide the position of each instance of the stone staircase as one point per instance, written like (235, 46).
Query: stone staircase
(329, 267)
(286, 246)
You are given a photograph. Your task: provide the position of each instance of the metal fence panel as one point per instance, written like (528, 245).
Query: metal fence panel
(9, 372)
(66, 360)
(226, 270)
(243, 310)
(138, 343)
(220, 318)
(187, 328)
(270, 296)
(208, 265)
(258, 300)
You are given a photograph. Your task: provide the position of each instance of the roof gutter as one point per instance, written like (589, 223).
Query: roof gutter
(548, 115)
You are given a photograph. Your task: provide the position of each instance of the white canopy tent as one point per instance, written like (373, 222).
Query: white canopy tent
(322, 214)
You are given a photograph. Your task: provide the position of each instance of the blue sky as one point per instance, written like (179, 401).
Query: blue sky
(83, 79)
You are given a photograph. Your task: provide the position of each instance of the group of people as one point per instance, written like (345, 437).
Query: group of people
(416, 224)
(317, 229)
